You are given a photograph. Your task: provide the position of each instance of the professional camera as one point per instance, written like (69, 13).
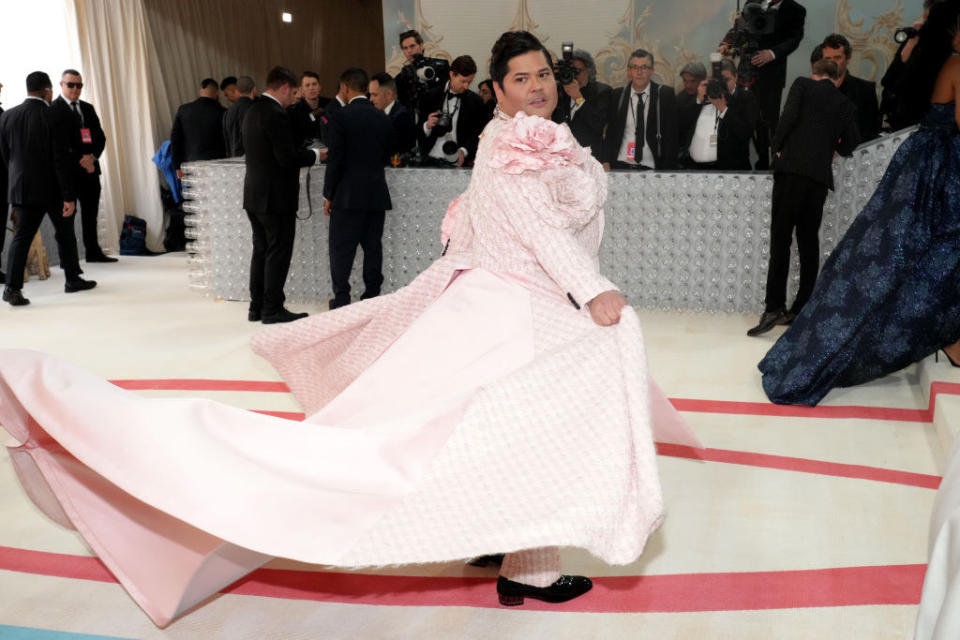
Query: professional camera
(716, 85)
(444, 124)
(564, 70)
(752, 23)
(423, 74)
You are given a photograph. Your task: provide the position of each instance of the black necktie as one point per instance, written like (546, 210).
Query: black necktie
(641, 130)
(76, 111)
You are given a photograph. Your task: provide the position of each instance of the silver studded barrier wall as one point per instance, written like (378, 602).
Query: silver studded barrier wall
(691, 241)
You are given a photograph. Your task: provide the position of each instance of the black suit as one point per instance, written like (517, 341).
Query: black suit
(232, 126)
(471, 119)
(332, 107)
(197, 132)
(4, 205)
(688, 112)
(271, 195)
(361, 140)
(661, 130)
(404, 127)
(306, 122)
(789, 19)
(735, 131)
(41, 179)
(589, 120)
(863, 95)
(817, 121)
(69, 126)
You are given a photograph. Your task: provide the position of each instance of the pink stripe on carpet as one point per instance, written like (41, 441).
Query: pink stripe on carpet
(679, 593)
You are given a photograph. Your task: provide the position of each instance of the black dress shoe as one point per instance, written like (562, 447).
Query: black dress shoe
(254, 315)
(72, 286)
(565, 588)
(336, 304)
(769, 320)
(101, 258)
(492, 560)
(14, 297)
(283, 315)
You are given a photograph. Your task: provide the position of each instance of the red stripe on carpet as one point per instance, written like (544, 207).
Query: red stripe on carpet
(794, 411)
(803, 465)
(845, 586)
(202, 385)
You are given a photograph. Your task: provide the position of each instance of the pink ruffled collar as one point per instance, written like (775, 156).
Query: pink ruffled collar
(532, 143)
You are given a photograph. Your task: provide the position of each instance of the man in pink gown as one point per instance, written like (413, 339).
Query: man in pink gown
(499, 403)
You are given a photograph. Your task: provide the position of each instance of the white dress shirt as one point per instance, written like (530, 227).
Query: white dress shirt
(630, 129)
(451, 106)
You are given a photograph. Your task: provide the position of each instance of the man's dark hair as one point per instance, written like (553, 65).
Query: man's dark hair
(838, 41)
(643, 53)
(510, 45)
(385, 80)
(309, 74)
(588, 63)
(817, 54)
(70, 72)
(38, 81)
(206, 82)
(826, 68)
(487, 82)
(729, 65)
(245, 84)
(226, 82)
(463, 66)
(412, 33)
(356, 79)
(695, 69)
(280, 77)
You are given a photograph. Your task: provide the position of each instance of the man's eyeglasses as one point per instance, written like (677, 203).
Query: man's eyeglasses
(640, 67)
(74, 85)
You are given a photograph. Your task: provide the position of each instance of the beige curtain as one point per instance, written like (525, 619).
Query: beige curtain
(113, 45)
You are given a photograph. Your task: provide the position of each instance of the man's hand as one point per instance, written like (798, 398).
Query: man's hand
(68, 208)
(761, 58)
(326, 208)
(605, 308)
(606, 166)
(572, 89)
(179, 174)
(432, 120)
(88, 162)
(724, 48)
(461, 158)
(720, 103)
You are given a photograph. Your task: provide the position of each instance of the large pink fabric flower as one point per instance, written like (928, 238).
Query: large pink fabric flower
(531, 143)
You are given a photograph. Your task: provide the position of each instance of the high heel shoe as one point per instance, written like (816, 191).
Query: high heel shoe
(565, 588)
(936, 358)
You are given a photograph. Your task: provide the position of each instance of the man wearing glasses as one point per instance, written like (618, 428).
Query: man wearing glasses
(77, 123)
(642, 121)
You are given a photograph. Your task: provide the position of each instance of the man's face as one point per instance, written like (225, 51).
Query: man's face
(485, 92)
(690, 83)
(529, 86)
(310, 88)
(730, 78)
(72, 94)
(838, 57)
(380, 97)
(459, 83)
(639, 71)
(410, 48)
(231, 93)
(582, 77)
(286, 95)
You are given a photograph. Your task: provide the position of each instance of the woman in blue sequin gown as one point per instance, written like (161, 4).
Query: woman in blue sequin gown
(889, 295)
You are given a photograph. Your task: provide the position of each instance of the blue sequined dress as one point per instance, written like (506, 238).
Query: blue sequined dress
(889, 295)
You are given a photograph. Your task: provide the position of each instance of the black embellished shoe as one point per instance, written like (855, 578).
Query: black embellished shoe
(492, 560)
(565, 588)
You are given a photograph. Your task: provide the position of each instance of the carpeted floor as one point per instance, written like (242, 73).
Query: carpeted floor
(794, 523)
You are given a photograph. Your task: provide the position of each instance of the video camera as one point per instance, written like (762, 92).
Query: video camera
(752, 23)
(563, 70)
(423, 74)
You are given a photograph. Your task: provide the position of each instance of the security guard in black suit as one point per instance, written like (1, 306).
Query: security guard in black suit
(271, 194)
(360, 141)
(40, 183)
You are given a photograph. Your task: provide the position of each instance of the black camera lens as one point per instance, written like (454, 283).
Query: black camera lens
(449, 148)
(903, 34)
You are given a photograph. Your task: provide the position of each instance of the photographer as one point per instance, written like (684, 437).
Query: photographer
(689, 102)
(772, 32)
(862, 93)
(305, 113)
(453, 117)
(726, 121)
(584, 102)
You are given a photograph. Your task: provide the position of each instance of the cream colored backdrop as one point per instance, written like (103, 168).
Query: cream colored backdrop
(675, 31)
